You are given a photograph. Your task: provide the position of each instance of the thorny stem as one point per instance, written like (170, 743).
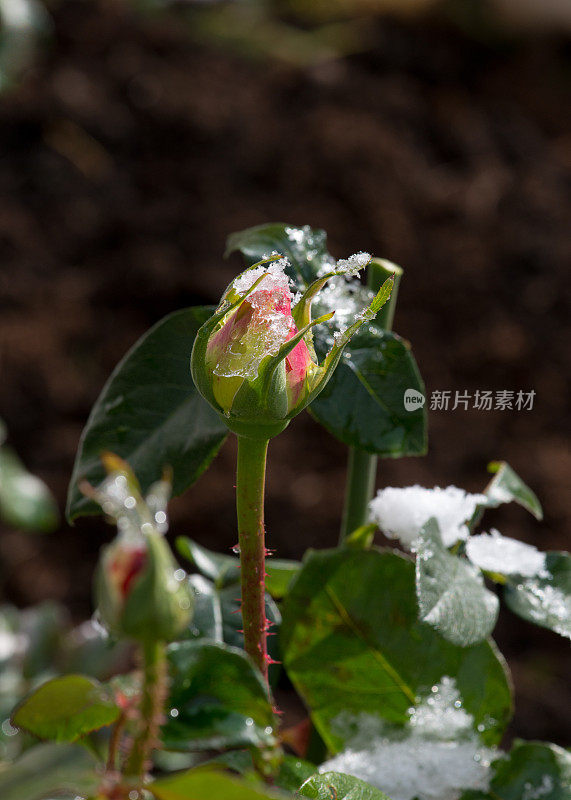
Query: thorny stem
(150, 710)
(362, 466)
(250, 484)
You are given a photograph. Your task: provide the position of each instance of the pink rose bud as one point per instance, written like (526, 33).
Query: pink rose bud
(254, 361)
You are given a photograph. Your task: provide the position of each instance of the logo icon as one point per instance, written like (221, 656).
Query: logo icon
(413, 400)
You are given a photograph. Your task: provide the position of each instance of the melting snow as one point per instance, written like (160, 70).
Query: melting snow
(440, 757)
(401, 513)
(497, 553)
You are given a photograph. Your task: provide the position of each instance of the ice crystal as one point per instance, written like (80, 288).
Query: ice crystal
(401, 513)
(439, 758)
(496, 553)
(354, 264)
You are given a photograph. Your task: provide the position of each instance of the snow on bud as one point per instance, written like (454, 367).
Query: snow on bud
(401, 513)
(141, 593)
(254, 359)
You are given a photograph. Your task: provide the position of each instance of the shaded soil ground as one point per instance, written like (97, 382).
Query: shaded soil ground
(129, 155)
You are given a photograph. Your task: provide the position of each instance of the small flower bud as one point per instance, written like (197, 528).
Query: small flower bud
(141, 593)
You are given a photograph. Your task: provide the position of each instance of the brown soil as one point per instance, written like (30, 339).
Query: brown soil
(128, 156)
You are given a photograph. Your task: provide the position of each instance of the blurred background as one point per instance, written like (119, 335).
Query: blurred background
(135, 137)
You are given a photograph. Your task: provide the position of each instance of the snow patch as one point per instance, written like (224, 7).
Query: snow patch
(401, 513)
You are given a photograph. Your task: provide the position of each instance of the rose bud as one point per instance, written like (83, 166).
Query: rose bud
(141, 593)
(254, 360)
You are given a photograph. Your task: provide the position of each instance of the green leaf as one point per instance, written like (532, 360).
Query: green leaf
(506, 487)
(150, 413)
(217, 700)
(210, 782)
(352, 644)
(293, 772)
(25, 501)
(335, 786)
(221, 568)
(49, 770)
(363, 403)
(66, 708)
(225, 570)
(531, 771)
(545, 599)
(217, 613)
(451, 592)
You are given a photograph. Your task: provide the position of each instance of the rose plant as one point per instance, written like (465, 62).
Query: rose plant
(172, 697)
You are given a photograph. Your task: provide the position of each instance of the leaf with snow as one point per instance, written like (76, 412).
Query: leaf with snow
(506, 487)
(545, 599)
(353, 646)
(451, 593)
(341, 787)
(531, 771)
(493, 552)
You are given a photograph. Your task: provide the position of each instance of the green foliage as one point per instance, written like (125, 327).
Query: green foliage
(66, 708)
(210, 782)
(531, 770)
(341, 787)
(25, 501)
(352, 644)
(451, 592)
(362, 405)
(217, 699)
(49, 770)
(506, 486)
(293, 772)
(150, 414)
(544, 599)
(224, 570)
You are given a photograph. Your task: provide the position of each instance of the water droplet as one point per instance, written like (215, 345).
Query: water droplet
(269, 730)
(457, 704)
(8, 729)
(179, 574)
(174, 712)
(130, 502)
(160, 517)
(481, 727)
(249, 722)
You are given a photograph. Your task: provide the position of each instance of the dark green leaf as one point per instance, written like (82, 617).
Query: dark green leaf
(217, 699)
(217, 613)
(48, 770)
(151, 414)
(507, 487)
(451, 592)
(66, 708)
(335, 786)
(545, 599)
(532, 771)
(293, 772)
(210, 782)
(220, 568)
(363, 403)
(25, 501)
(352, 643)
(225, 570)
